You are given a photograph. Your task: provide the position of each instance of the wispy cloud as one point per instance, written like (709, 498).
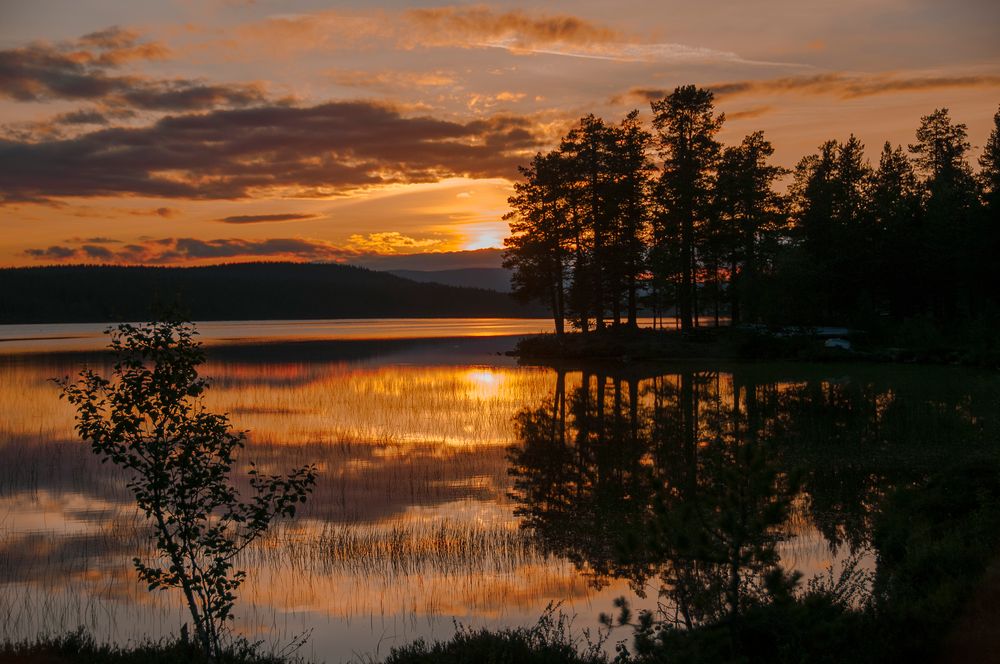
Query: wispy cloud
(362, 249)
(478, 26)
(264, 218)
(391, 81)
(181, 250)
(749, 113)
(469, 25)
(85, 70)
(844, 86)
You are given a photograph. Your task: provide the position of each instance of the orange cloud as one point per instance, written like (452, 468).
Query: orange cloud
(469, 25)
(516, 31)
(393, 242)
(840, 85)
(84, 70)
(185, 250)
(749, 113)
(391, 80)
(262, 218)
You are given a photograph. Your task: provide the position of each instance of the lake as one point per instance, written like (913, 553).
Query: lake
(458, 485)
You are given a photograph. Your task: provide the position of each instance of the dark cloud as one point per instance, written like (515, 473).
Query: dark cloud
(171, 250)
(93, 240)
(185, 95)
(55, 252)
(840, 85)
(259, 218)
(231, 248)
(226, 154)
(84, 70)
(97, 252)
(83, 116)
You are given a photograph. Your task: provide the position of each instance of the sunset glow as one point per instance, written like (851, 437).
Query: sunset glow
(194, 133)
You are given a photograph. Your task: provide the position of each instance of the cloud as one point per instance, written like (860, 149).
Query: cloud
(83, 70)
(258, 218)
(516, 31)
(457, 25)
(559, 34)
(845, 86)
(368, 251)
(320, 150)
(117, 45)
(82, 116)
(852, 86)
(97, 252)
(389, 81)
(749, 113)
(93, 240)
(180, 250)
(390, 243)
(55, 252)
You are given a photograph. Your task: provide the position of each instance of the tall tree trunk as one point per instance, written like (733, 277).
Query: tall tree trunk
(633, 305)
(734, 295)
(687, 282)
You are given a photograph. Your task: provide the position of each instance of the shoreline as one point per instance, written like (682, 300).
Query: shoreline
(629, 345)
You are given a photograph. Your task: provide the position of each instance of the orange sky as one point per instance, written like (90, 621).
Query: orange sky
(188, 132)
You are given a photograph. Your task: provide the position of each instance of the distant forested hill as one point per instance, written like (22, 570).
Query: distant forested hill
(244, 291)
(493, 278)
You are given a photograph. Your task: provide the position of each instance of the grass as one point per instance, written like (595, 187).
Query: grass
(79, 647)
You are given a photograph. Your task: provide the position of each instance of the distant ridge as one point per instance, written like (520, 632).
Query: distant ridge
(492, 278)
(435, 261)
(244, 291)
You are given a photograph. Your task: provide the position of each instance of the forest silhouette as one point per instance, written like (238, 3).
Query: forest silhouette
(619, 217)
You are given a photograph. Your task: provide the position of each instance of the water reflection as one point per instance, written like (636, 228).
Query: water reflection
(409, 526)
(458, 484)
(717, 490)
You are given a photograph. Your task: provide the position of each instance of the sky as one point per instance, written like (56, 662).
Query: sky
(187, 132)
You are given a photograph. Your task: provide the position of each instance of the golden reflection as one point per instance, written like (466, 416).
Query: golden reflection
(413, 517)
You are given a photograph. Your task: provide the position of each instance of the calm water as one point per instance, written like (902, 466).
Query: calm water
(91, 336)
(456, 484)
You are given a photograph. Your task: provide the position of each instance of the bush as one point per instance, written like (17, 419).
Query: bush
(550, 641)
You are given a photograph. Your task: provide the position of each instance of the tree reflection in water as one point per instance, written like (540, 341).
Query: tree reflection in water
(687, 483)
(673, 480)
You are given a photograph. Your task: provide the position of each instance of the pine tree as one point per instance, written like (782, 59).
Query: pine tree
(686, 125)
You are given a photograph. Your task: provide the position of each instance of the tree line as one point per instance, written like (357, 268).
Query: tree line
(237, 291)
(620, 218)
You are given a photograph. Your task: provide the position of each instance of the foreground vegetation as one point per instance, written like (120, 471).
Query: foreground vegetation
(80, 647)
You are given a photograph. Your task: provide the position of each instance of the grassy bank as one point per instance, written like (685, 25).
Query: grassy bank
(80, 648)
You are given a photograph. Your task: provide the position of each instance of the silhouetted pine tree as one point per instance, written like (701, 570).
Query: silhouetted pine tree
(686, 125)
